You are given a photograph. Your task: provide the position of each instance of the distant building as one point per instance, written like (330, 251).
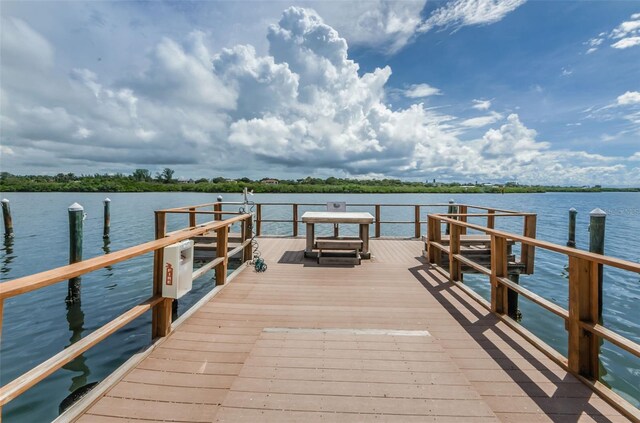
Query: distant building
(270, 181)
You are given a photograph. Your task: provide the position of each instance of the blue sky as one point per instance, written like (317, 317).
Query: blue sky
(488, 90)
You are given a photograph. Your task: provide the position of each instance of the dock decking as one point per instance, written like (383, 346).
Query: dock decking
(304, 342)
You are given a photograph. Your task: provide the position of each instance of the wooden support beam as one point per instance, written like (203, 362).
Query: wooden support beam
(295, 220)
(377, 225)
(192, 217)
(217, 207)
(221, 251)
(499, 256)
(491, 219)
(527, 253)
(455, 274)
(462, 209)
(416, 222)
(161, 312)
(258, 219)
(584, 346)
(434, 235)
(247, 230)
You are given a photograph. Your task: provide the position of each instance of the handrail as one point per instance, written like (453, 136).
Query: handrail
(573, 252)
(161, 307)
(583, 316)
(49, 277)
(452, 208)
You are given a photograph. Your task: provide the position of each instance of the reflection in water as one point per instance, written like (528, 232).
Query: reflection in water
(107, 250)
(7, 249)
(75, 318)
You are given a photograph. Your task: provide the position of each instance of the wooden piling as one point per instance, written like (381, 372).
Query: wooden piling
(6, 216)
(450, 210)
(572, 228)
(107, 218)
(416, 222)
(597, 219)
(377, 224)
(76, 216)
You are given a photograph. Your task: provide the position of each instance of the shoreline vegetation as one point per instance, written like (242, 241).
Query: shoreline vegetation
(141, 180)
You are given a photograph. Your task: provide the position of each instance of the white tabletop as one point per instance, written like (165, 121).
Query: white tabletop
(337, 217)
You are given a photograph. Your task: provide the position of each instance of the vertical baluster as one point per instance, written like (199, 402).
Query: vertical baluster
(258, 219)
(377, 227)
(295, 220)
(527, 253)
(221, 251)
(454, 248)
(498, 270)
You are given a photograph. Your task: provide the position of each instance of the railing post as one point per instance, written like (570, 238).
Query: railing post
(451, 209)
(247, 229)
(192, 217)
(258, 219)
(161, 312)
(434, 234)
(416, 222)
(498, 270)
(454, 248)
(584, 347)
(295, 220)
(462, 210)
(221, 251)
(377, 227)
(571, 242)
(527, 253)
(217, 207)
(491, 219)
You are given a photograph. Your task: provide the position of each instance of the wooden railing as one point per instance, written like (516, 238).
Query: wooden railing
(583, 319)
(417, 221)
(160, 307)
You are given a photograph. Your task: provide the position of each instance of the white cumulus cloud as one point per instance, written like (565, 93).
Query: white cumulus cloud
(481, 104)
(421, 91)
(630, 97)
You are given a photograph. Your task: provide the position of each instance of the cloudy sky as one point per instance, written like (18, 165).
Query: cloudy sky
(487, 90)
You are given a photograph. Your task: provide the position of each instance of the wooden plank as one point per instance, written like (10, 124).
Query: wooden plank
(471, 360)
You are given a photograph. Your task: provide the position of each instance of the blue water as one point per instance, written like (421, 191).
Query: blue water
(38, 325)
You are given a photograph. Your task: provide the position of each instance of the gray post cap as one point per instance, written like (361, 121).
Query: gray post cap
(107, 200)
(451, 201)
(76, 207)
(4, 200)
(573, 210)
(219, 197)
(597, 212)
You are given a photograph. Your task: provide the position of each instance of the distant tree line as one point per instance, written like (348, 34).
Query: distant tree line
(141, 180)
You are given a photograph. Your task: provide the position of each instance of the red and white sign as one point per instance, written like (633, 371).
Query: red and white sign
(169, 277)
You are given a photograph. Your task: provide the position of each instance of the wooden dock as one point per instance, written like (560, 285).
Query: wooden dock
(389, 340)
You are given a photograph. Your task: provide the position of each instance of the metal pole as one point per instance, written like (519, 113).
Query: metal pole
(572, 228)
(76, 216)
(6, 215)
(107, 218)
